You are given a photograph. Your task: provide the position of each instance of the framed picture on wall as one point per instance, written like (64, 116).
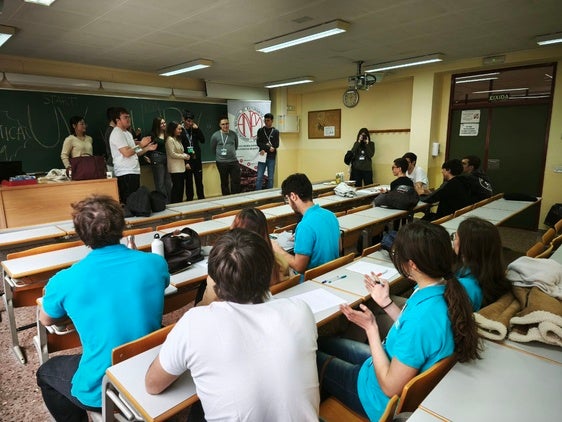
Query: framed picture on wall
(324, 124)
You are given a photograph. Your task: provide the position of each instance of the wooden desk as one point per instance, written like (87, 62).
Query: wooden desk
(127, 379)
(557, 255)
(48, 202)
(506, 385)
(155, 217)
(14, 237)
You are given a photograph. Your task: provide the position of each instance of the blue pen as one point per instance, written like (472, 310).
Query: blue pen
(339, 277)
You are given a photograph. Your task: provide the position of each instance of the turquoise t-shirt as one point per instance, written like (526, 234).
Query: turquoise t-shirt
(317, 236)
(472, 287)
(114, 295)
(420, 337)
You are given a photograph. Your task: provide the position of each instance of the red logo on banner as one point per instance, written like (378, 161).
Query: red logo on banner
(248, 121)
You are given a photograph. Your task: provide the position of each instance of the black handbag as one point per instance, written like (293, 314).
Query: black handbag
(182, 248)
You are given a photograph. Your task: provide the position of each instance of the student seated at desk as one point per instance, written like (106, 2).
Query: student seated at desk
(317, 235)
(114, 295)
(480, 264)
(251, 359)
(436, 322)
(254, 220)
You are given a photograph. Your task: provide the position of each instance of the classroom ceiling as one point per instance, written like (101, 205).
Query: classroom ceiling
(144, 35)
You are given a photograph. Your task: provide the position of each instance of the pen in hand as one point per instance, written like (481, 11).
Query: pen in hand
(330, 280)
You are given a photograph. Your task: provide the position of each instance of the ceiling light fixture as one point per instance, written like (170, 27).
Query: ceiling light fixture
(289, 82)
(6, 33)
(300, 37)
(41, 2)
(467, 81)
(549, 39)
(413, 61)
(479, 75)
(185, 67)
(500, 90)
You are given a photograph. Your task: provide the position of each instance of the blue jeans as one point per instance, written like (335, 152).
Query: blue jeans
(339, 361)
(270, 164)
(54, 378)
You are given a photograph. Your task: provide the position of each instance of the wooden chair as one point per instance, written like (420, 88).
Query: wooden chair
(133, 348)
(134, 232)
(463, 210)
(558, 226)
(328, 266)
(548, 236)
(271, 205)
(226, 214)
(285, 284)
(389, 412)
(290, 227)
(333, 410)
(340, 213)
(556, 242)
(360, 208)
(45, 248)
(179, 223)
(371, 249)
(329, 193)
(54, 338)
(417, 389)
(536, 249)
(546, 253)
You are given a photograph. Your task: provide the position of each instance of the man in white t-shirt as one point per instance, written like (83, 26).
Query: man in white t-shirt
(251, 358)
(416, 173)
(125, 152)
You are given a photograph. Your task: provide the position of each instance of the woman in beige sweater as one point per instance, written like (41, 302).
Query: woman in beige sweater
(176, 160)
(77, 143)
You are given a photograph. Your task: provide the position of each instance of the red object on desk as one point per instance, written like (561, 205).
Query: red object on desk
(19, 182)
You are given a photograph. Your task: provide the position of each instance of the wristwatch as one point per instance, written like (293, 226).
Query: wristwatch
(351, 97)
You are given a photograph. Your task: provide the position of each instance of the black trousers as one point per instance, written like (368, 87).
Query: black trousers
(195, 174)
(230, 177)
(127, 184)
(176, 195)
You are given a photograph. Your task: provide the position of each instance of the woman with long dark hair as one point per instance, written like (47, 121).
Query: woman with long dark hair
(176, 157)
(158, 158)
(77, 143)
(436, 322)
(362, 164)
(480, 265)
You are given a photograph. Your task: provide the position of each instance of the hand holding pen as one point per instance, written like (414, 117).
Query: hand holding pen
(378, 288)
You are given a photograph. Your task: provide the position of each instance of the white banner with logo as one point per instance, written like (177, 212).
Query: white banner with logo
(246, 117)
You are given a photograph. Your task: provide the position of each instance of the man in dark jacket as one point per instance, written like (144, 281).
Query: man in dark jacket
(192, 138)
(480, 186)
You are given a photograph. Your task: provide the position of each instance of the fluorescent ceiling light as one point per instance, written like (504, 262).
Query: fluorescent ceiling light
(24, 79)
(500, 90)
(6, 33)
(306, 35)
(480, 75)
(414, 61)
(467, 81)
(289, 82)
(185, 67)
(41, 2)
(549, 39)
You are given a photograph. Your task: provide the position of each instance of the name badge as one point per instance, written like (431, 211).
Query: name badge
(223, 151)
(190, 150)
(361, 157)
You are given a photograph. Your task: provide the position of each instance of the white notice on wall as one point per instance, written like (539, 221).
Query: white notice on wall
(329, 131)
(470, 116)
(469, 129)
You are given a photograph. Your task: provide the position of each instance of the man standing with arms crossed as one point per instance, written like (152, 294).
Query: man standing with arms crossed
(192, 137)
(268, 142)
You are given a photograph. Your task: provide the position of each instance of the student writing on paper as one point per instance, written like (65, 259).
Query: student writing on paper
(250, 358)
(435, 322)
(480, 264)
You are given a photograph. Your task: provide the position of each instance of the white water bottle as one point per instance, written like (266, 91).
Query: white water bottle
(157, 246)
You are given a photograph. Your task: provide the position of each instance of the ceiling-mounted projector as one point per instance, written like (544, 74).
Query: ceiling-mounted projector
(361, 81)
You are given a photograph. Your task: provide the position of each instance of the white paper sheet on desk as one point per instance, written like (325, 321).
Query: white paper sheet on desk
(319, 300)
(362, 267)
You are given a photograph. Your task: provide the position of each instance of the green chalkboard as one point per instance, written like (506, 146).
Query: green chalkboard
(33, 125)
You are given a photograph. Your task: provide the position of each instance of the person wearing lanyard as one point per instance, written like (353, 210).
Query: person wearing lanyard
(225, 143)
(268, 142)
(191, 139)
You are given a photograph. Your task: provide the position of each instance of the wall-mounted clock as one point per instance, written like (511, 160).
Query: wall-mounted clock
(350, 97)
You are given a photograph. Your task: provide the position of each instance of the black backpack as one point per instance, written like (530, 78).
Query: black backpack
(138, 203)
(182, 248)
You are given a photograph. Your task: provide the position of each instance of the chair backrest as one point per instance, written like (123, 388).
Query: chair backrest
(329, 193)
(340, 213)
(290, 227)
(43, 249)
(371, 249)
(388, 415)
(133, 348)
(417, 389)
(443, 219)
(180, 223)
(360, 208)
(556, 242)
(285, 284)
(225, 214)
(463, 210)
(558, 226)
(270, 205)
(546, 253)
(328, 266)
(134, 232)
(548, 236)
(536, 249)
